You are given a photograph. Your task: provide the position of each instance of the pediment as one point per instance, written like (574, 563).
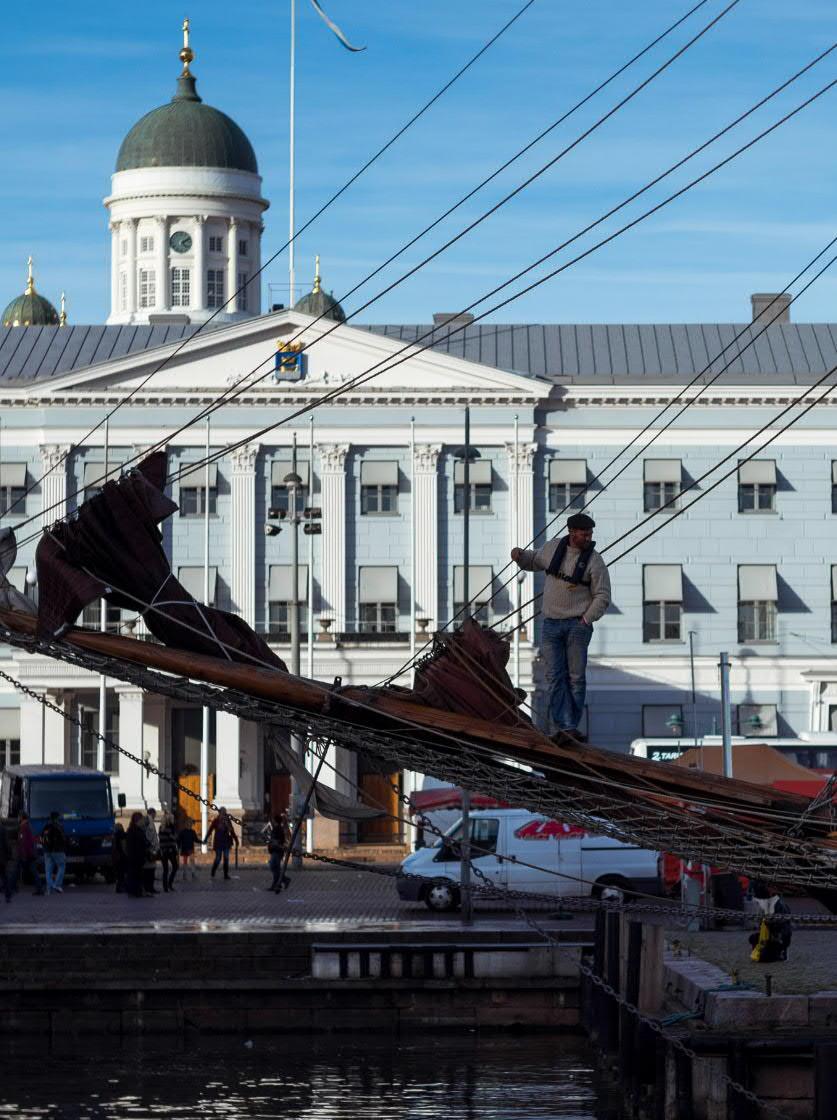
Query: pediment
(215, 359)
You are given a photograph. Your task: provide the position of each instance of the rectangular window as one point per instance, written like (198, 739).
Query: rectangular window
(662, 597)
(192, 502)
(123, 291)
(479, 484)
(757, 721)
(87, 739)
(757, 486)
(662, 480)
(9, 737)
(192, 577)
(12, 489)
(241, 294)
(216, 244)
(92, 617)
(280, 493)
(215, 287)
(757, 602)
(9, 753)
(147, 287)
(180, 287)
(146, 244)
(379, 487)
(378, 600)
(242, 248)
(280, 597)
(480, 585)
(662, 721)
(565, 495)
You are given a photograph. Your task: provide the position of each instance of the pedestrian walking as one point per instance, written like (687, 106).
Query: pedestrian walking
(223, 837)
(277, 837)
(27, 855)
(6, 864)
(168, 851)
(119, 856)
(576, 594)
(136, 849)
(54, 844)
(152, 854)
(187, 841)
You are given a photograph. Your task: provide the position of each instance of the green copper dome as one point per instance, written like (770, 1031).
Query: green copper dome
(186, 133)
(31, 309)
(320, 304)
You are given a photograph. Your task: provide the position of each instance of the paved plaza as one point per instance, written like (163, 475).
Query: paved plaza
(318, 894)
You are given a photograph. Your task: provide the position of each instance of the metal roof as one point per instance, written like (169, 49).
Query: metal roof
(622, 353)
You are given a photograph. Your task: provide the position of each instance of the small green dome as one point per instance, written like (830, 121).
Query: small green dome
(186, 133)
(320, 304)
(30, 309)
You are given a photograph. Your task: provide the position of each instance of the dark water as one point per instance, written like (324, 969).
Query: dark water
(521, 1078)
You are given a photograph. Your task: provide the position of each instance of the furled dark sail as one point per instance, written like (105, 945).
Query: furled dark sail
(113, 549)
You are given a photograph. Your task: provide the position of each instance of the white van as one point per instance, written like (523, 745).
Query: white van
(528, 852)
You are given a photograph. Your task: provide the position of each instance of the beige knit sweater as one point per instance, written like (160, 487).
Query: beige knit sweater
(567, 600)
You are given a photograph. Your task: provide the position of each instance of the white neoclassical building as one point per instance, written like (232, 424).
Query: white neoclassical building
(186, 211)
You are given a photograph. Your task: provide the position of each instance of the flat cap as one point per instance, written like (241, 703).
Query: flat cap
(580, 521)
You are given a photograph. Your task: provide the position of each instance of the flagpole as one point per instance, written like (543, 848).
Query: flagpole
(291, 160)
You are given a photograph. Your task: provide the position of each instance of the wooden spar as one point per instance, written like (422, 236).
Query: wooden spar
(524, 743)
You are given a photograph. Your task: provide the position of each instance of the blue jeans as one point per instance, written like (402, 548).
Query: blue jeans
(54, 865)
(565, 642)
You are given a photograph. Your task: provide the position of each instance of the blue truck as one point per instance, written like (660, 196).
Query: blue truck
(84, 799)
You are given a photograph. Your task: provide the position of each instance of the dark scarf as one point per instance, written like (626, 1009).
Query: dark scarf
(580, 569)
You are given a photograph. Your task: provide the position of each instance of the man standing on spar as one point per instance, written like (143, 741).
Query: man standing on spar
(576, 594)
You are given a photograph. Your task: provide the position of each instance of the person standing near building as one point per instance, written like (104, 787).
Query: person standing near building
(168, 851)
(152, 854)
(54, 844)
(27, 854)
(223, 837)
(187, 841)
(576, 594)
(136, 851)
(6, 869)
(277, 835)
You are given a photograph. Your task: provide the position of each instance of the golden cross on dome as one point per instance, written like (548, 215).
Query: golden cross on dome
(186, 55)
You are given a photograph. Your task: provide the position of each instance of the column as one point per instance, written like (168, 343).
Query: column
(521, 510)
(115, 233)
(426, 499)
(236, 762)
(243, 528)
(54, 482)
(161, 257)
(333, 503)
(131, 780)
(130, 227)
(232, 266)
(198, 297)
(256, 286)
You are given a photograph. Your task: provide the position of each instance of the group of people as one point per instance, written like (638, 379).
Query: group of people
(19, 856)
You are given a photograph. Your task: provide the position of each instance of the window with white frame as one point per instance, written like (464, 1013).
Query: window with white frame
(662, 603)
(378, 600)
(180, 287)
(215, 287)
(193, 494)
(662, 721)
(192, 578)
(757, 486)
(91, 616)
(379, 488)
(12, 489)
(241, 294)
(147, 287)
(567, 484)
(280, 599)
(480, 581)
(216, 244)
(479, 484)
(146, 244)
(757, 602)
(123, 291)
(95, 474)
(242, 247)
(87, 736)
(280, 494)
(662, 479)
(9, 737)
(757, 721)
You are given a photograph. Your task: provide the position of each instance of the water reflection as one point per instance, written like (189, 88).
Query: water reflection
(523, 1078)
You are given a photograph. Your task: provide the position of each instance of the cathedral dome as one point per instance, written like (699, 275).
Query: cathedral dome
(30, 309)
(186, 133)
(320, 304)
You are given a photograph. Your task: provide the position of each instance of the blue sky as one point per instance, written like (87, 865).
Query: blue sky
(74, 78)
